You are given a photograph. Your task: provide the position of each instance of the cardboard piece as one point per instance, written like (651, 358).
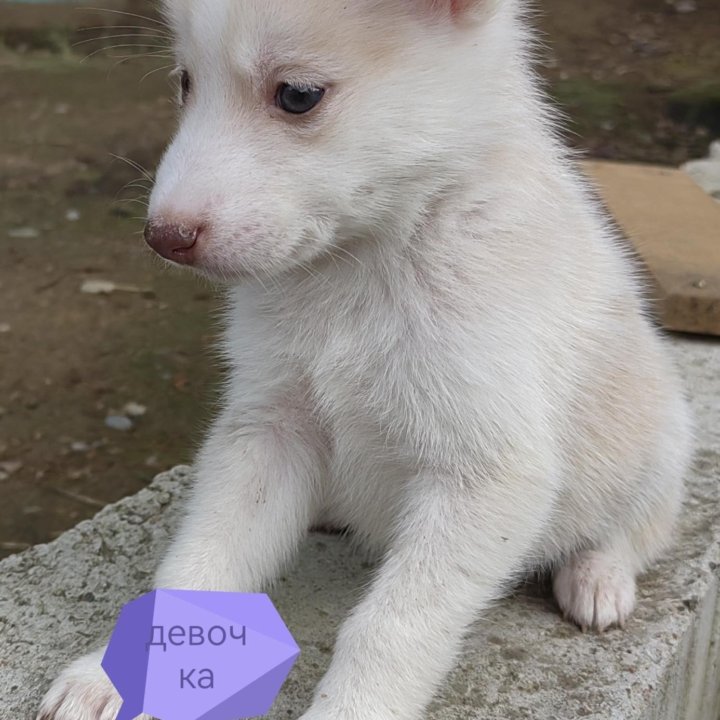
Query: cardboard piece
(675, 227)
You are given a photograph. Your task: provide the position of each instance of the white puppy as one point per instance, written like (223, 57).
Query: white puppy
(436, 338)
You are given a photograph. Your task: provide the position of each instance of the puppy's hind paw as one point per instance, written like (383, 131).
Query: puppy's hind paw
(595, 590)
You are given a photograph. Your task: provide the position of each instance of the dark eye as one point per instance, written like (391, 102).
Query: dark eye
(185, 85)
(298, 100)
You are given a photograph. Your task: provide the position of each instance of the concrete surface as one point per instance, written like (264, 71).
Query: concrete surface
(522, 660)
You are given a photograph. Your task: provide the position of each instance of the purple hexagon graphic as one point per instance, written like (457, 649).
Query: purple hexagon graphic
(186, 655)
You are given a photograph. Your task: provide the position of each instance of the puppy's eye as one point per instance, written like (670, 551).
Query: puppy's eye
(185, 85)
(298, 100)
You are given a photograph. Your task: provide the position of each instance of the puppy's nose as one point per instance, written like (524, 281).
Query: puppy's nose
(173, 241)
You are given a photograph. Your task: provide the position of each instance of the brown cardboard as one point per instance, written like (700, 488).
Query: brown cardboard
(675, 227)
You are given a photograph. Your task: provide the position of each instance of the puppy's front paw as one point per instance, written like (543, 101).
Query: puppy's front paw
(595, 590)
(82, 692)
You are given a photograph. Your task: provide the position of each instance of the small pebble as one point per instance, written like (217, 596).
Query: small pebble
(10, 466)
(151, 461)
(119, 422)
(72, 215)
(23, 233)
(97, 287)
(5, 327)
(133, 409)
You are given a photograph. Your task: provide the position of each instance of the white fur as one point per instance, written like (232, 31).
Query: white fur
(435, 337)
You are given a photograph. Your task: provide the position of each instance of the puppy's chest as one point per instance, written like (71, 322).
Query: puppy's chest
(355, 349)
(390, 361)
(355, 386)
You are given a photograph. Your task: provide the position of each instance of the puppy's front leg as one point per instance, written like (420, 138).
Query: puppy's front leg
(254, 497)
(458, 543)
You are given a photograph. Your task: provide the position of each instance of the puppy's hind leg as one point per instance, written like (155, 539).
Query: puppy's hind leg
(595, 588)
(644, 487)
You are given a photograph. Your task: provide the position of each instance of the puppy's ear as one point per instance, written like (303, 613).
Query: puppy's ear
(457, 10)
(454, 7)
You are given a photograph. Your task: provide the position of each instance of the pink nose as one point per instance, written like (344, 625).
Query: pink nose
(173, 242)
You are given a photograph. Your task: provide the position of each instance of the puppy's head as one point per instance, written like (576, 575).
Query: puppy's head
(307, 124)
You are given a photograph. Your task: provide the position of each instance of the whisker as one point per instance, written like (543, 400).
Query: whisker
(144, 195)
(164, 49)
(135, 56)
(159, 31)
(114, 37)
(126, 14)
(136, 166)
(131, 201)
(164, 67)
(120, 198)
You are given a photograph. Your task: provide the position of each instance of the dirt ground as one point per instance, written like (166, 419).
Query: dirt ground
(639, 79)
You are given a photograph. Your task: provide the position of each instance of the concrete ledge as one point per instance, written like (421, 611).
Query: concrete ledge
(522, 661)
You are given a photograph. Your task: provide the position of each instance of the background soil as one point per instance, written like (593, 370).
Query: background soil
(639, 80)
